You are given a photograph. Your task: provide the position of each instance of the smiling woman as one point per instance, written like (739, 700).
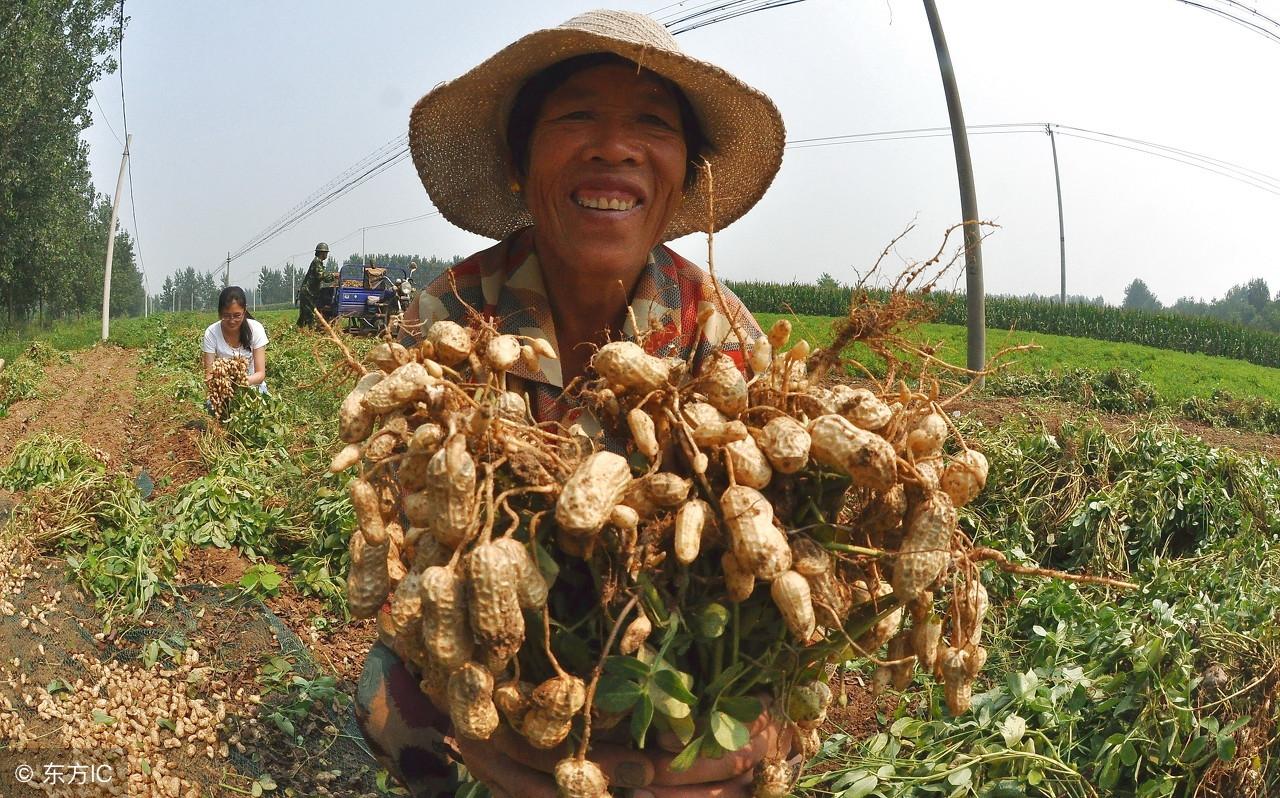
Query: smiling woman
(236, 334)
(582, 148)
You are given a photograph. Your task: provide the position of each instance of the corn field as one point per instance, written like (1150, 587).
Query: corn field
(1160, 330)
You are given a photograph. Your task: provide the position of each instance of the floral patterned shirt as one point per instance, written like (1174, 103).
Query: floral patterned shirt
(505, 283)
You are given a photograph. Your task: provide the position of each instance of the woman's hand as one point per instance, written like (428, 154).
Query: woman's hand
(511, 767)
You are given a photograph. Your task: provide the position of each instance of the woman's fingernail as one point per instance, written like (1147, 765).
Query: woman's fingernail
(631, 774)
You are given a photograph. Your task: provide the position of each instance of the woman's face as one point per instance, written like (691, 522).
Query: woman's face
(232, 318)
(606, 167)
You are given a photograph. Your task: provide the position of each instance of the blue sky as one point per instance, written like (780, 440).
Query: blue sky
(239, 110)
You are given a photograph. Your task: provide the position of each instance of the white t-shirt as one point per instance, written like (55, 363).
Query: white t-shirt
(215, 344)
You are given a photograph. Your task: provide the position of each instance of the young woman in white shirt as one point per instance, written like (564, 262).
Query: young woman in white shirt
(237, 334)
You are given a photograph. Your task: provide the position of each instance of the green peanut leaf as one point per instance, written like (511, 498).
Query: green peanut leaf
(641, 717)
(614, 694)
(728, 731)
(743, 708)
(670, 683)
(685, 759)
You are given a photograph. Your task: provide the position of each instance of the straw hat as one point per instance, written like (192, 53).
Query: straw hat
(457, 132)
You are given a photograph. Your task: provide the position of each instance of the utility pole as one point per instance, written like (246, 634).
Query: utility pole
(226, 275)
(111, 242)
(1062, 235)
(974, 293)
(293, 284)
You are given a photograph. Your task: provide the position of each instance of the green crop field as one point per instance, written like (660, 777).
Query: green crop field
(1177, 376)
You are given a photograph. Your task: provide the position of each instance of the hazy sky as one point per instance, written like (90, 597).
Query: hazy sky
(240, 110)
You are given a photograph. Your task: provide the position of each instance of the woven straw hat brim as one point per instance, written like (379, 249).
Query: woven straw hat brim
(457, 132)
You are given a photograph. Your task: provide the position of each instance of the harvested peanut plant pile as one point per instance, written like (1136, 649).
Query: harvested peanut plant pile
(728, 536)
(227, 374)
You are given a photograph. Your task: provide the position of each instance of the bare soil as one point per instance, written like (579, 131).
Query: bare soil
(94, 397)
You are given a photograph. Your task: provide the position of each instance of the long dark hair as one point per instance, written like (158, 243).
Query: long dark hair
(234, 294)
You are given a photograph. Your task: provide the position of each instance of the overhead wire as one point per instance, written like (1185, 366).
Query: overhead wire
(682, 18)
(1233, 171)
(725, 11)
(133, 203)
(1273, 34)
(107, 122)
(1271, 188)
(289, 221)
(370, 166)
(1239, 169)
(397, 149)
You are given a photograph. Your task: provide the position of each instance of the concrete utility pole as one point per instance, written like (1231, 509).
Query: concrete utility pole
(111, 242)
(1062, 235)
(226, 274)
(974, 292)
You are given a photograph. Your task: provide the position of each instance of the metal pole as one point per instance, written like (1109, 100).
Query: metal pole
(111, 242)
(1062, 235)
(975, 299)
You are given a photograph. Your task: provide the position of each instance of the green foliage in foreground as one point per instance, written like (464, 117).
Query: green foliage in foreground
(264, 471)
(20, 377)
(1088, 691)
(1198, 335)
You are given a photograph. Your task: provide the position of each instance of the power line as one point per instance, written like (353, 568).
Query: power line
(105, 121)
(1238, 172)
(133, 204)
(1270, 188)
(1245, 171)
(367, 168)
(703, 17)
(1241, 21)
(397, 149)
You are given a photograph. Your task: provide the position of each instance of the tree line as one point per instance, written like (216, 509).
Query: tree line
(53, 222)
(1250, 304)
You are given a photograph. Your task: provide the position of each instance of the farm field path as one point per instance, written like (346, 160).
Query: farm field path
(92, 397)
(97, 396)
(89, 397)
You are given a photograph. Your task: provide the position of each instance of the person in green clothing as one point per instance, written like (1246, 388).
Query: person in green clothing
(311, 287)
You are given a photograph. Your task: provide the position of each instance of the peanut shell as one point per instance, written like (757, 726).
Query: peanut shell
(355, 421)
(965, 476)
(926, 549)
(471, 705)
(786, 443)
(756, 542)
(450, 341)
(446, 633)
(591, 493)
(625, 364)
(863, 455)
(790, 593)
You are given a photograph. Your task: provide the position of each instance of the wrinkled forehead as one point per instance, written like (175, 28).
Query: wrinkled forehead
(616, 78)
